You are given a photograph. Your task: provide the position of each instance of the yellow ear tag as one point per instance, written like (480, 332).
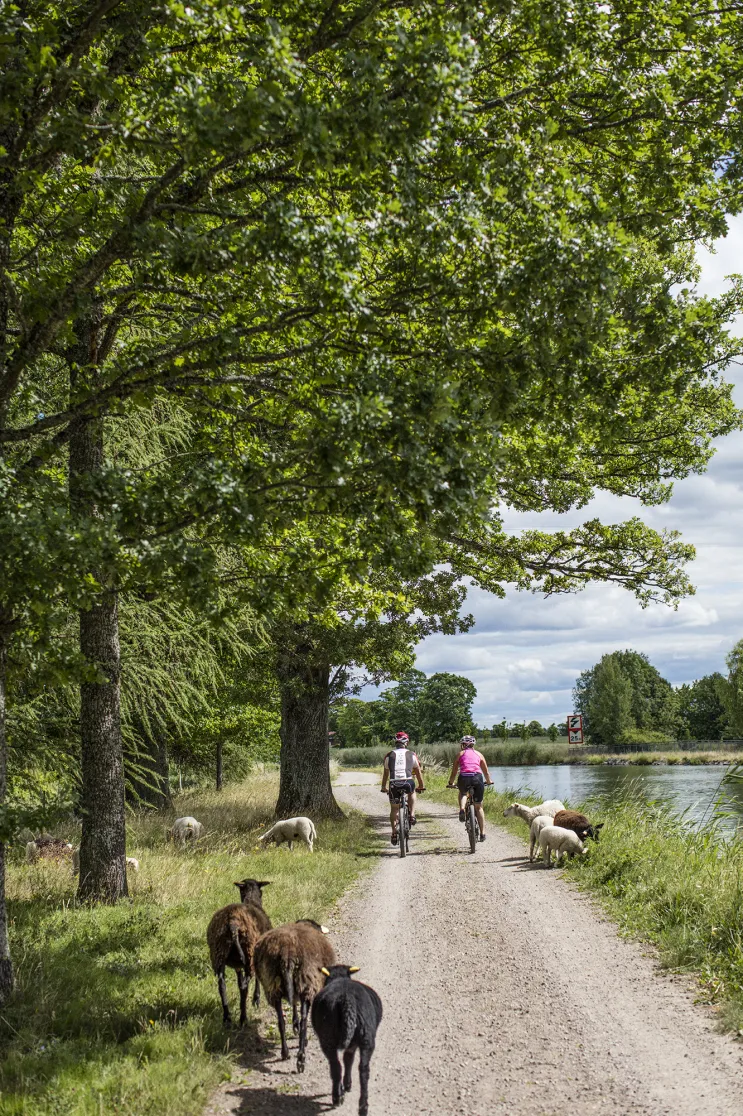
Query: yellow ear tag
(324, 970)
(353, 969)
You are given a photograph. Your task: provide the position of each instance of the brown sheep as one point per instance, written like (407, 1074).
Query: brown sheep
(579, 823)
(46, 847)
(231, 935)
(289, 963)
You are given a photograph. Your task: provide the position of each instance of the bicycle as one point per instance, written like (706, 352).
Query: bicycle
(403, 821)
(471, 823)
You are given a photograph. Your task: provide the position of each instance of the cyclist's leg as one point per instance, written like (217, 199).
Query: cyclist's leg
(480, 816)
(394, 813)
(411, 805)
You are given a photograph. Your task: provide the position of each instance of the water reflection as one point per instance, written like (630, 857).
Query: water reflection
(688, 788)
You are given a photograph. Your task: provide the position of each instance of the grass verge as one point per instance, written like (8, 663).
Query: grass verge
(116, 1009)
(661, 881)
(535, 753)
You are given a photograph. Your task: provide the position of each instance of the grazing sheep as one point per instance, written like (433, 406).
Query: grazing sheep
(47, 848)
(345, 1016)
(529, 813)
(536, 828)
(579, 823)
(231, 935)
(131, 862)
(291, 830)
(288, 962)
(185, 829)
(561, 842)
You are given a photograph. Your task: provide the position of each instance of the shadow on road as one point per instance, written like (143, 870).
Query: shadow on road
(270, 1102)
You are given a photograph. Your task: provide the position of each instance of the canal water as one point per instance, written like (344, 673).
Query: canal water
(691, 789)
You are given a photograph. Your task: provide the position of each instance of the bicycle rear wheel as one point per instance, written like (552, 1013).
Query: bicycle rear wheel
(472, 827)
(402, 828)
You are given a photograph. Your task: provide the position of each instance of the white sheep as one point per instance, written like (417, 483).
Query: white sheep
(293, 829)
(536, 828)
(185, 829)
(561, 842)
(529, 813)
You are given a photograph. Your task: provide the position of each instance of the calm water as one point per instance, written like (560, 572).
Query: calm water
(687, 788)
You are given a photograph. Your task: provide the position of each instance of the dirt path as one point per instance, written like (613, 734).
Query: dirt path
(520, 1000)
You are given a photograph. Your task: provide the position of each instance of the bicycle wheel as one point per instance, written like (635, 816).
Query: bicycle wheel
(402, 828)
(472, 827)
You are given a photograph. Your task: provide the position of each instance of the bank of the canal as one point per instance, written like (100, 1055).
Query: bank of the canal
(668, 869)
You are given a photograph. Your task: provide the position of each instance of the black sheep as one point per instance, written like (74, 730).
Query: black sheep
(345, 1016)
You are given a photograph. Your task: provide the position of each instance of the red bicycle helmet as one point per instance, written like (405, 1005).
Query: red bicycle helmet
(401, 738)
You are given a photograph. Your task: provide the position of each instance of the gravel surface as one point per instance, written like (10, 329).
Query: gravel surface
(505, 991)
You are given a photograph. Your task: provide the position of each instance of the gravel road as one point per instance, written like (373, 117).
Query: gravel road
(505, 991)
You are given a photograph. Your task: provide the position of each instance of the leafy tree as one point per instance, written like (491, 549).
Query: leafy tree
(501, 730)
(730, 689)
(701, 710)
(446, 706)
(624, 693)
(356, 722)
(553, 732)
(400, 706)
(535, 729)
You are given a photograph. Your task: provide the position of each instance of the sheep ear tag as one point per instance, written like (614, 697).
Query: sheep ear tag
(353, 969)
(326, 971)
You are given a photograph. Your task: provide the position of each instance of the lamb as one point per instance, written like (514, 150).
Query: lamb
(288, 962)
(536, 828)
(185, 829)
(345, 1016)
(563, 842)
(579, 823)
(46, 847)
(529, 813)
(291, 830)
(231, 935)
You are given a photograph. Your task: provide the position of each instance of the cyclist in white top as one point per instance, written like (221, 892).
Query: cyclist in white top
(402, 770)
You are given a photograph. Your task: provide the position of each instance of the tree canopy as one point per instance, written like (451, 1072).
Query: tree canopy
(623, 694)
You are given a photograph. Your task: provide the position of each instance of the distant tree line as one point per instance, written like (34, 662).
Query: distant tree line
(624, 699)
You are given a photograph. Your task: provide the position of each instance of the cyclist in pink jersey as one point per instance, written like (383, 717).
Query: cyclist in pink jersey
(470, 769)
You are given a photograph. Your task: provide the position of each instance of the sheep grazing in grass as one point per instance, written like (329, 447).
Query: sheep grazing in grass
(536, 828)
(231, 935)
(345, 1016)
(529, 813)
(291, 830)
(185, 829)
(561, 842)
(288, 961)
(46, 847)
(579, 823)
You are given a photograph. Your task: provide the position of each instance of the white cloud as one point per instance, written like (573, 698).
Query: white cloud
(525, 653)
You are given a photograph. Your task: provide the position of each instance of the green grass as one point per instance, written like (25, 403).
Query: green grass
(661, 881)
(116, 1009)
(512, 753)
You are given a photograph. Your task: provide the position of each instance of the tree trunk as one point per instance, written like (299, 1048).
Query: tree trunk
(6, 965)
(305, 748)
(219, 765)
(103, 844)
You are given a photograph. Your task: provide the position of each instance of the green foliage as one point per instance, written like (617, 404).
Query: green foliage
(623, 693)
(730, 689)
(116, 1008)
(701, 711)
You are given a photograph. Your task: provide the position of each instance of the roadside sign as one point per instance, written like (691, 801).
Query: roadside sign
(575, 728)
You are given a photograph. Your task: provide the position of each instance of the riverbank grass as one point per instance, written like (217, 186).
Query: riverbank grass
(116, 1009)
(661, 880)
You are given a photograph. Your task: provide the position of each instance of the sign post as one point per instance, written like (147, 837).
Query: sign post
(575, 728)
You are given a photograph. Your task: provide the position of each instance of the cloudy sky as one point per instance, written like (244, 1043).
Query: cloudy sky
(525, 653)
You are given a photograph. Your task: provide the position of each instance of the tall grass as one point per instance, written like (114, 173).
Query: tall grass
(116, 1009)
(661, 879)
(510, 753)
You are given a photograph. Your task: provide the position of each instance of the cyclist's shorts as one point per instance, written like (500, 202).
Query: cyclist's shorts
(400, 787)
(477, 782)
